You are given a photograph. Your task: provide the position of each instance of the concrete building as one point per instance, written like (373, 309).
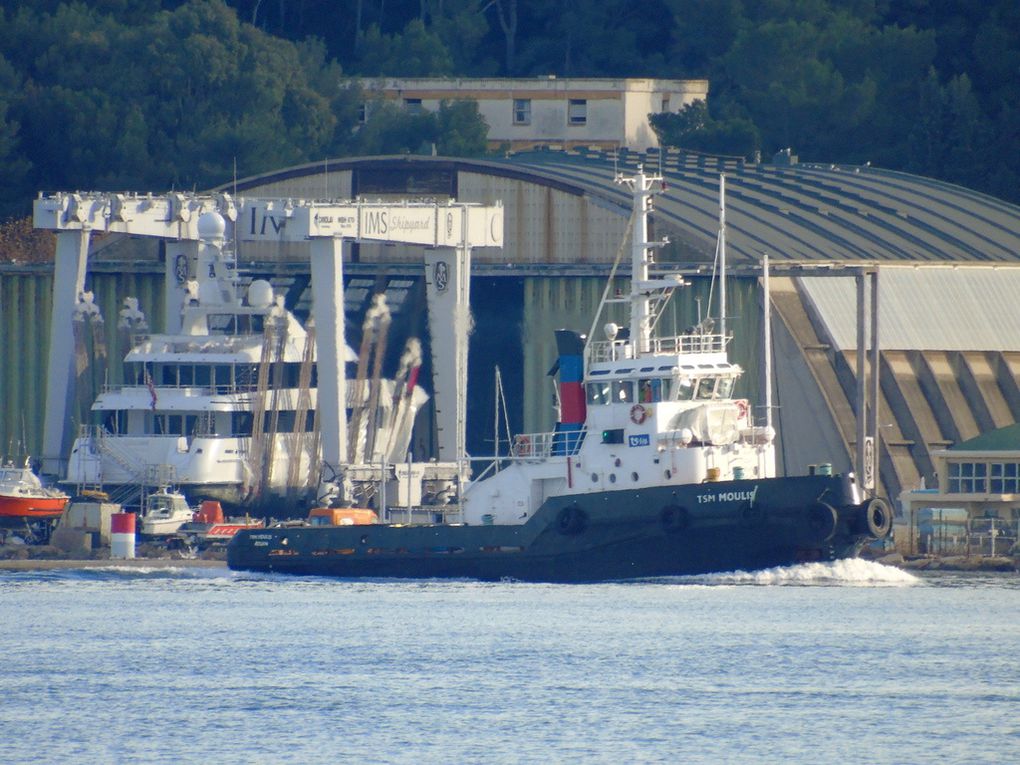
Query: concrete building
(524, 113)
(973, 506)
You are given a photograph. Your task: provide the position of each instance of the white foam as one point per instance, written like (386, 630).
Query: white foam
(846, 572)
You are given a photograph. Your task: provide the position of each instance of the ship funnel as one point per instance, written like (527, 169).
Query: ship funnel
(573, 411)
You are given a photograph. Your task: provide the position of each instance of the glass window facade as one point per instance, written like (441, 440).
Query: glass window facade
(983, 478)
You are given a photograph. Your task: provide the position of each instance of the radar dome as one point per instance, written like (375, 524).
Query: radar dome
(211, 227)
(260, 294)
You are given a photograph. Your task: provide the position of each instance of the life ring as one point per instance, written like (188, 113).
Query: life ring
(638, 414)
(741, 408)
(522, 446)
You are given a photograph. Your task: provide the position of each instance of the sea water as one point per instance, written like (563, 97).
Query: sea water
(852, 662)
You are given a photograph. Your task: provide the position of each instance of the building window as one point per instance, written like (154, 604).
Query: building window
(1005, 478)
(522, 111)
(665, 104)
(362, 113)
(577, 111)
(967, 477)
(413, 105)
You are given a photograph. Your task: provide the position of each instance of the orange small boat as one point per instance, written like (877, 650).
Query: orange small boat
(22, 494)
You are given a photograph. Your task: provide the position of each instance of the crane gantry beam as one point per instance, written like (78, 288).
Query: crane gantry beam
(325, 224)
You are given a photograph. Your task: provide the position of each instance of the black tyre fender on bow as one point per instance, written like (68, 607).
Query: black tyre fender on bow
(571, 520)
(878, 517)
(674, 518)
(820, 520)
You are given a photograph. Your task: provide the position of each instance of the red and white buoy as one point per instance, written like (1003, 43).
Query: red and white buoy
(122, 535)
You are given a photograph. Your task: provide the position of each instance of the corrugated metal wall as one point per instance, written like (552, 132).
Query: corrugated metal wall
(937, 307)
(550, 303)
(25, 302)
(570, 303)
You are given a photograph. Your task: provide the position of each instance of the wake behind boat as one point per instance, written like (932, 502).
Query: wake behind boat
(653, 469)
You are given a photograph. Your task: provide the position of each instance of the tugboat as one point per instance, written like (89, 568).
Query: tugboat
(653, 470)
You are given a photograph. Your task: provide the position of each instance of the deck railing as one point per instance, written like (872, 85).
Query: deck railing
(618, 350)
(550, 444)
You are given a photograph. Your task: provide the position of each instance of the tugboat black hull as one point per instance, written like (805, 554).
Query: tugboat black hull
(650, 532)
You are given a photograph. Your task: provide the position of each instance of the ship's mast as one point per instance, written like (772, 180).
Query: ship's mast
(722, 256)
(642, 188)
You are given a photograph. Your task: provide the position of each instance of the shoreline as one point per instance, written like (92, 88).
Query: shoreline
(53, 564)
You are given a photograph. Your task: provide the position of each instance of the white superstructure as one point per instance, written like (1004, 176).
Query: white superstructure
(226, 407)
(656, 411)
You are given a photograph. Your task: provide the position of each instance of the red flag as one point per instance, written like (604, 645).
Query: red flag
(152, 388)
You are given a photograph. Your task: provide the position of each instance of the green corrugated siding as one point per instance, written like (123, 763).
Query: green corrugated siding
(550, 303)
(25, 303)
(570, 303)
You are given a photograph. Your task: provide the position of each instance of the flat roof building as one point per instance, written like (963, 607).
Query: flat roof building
(524, 113)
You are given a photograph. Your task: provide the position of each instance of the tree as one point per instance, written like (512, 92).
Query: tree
(461, 131)
(415, 52)
(693, 128)
(14, 167)
(392, 130)
(173, 102)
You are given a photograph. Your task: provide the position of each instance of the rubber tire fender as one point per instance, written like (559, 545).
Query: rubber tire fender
(571, 520)
(878, 517)
(674, 518)
(820, 520)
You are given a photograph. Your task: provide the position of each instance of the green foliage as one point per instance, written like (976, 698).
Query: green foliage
(392, 130)
(694, 129)
(460, 129)
(455, 130)
(415, 52)
(159, 93)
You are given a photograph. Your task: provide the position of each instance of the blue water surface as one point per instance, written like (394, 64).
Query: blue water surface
(821, 663)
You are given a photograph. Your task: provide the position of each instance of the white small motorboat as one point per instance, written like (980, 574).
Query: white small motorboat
(164, 512)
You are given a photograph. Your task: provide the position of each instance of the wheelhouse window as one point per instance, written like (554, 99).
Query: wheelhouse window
(653, 390)
(115, 421)
(598, 393)
(684, 390)
(724, 388)
(522, 111)
(623, 392)
(240, 423)
(577, 111)
(706, 388)
(236, 324)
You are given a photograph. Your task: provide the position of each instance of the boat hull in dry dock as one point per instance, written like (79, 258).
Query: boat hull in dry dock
(661, 531)
(32, 507)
